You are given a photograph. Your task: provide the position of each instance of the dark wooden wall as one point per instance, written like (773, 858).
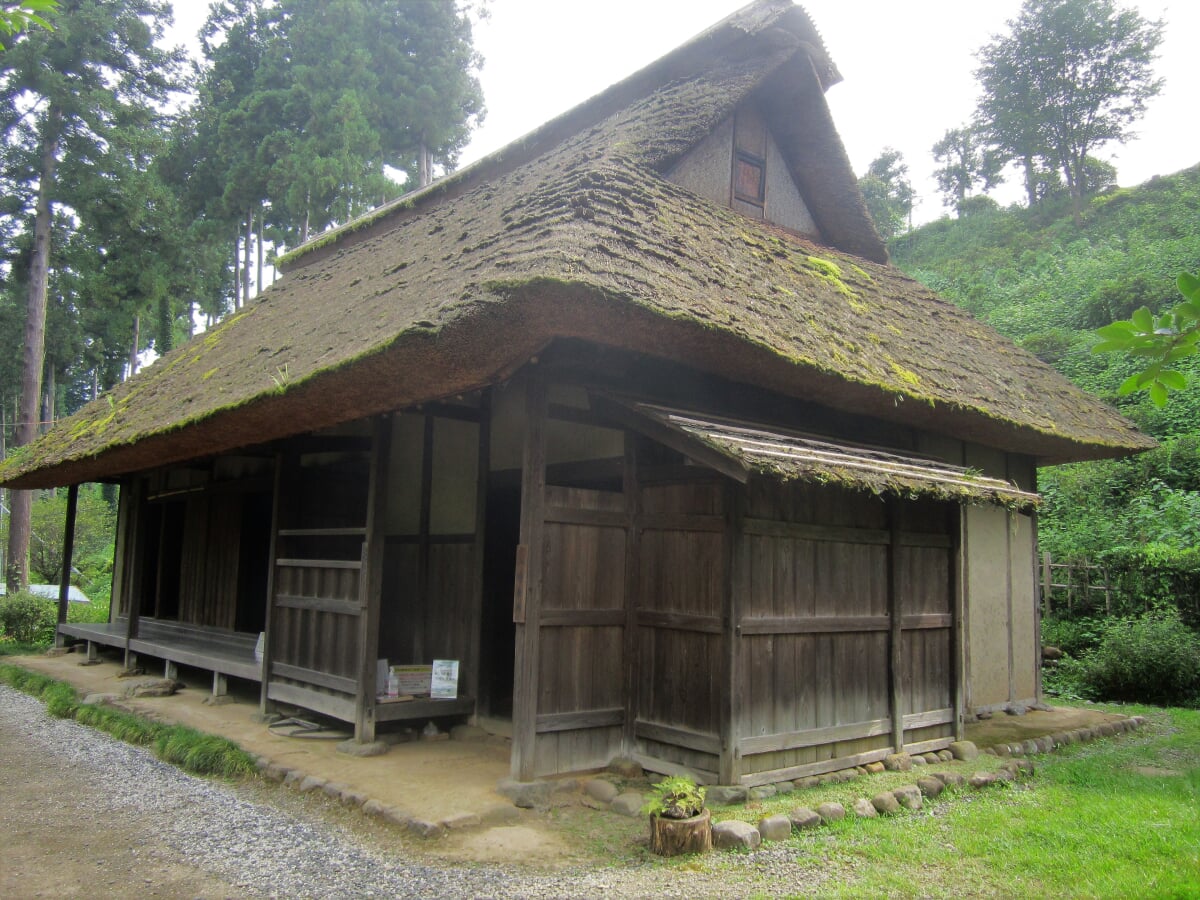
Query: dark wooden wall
(681, 589)
(844, 616)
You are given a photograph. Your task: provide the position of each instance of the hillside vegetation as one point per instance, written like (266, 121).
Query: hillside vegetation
(1047, 282)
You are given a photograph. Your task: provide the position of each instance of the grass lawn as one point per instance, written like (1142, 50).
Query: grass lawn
(1119, 817)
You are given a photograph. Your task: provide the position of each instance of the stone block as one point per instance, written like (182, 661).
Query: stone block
(930, 786)
(762, 792)
(155, 687)
(908, 796)
(919, 761)
(1030, 747)
(864, 808)
(982, 780)
(931, 758)
(874, 768)
(426, 829)
(629, 804)
(885, 803)
(526, 794)
(809, 781)
(726, 794)
(831, 812)
(599, 789)
(333, 789)
(734, 834)
(898, 762)
(311, 783)
(351, 797)
(945, 756)
(361, 748)
(804, 818)
(783, 787)
(463, 820)
(393, 815)
(374, 808)
(964, 750)
(949, 779)
(294, 777)
(775, 828)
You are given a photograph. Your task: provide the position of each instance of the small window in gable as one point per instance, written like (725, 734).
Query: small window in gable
(750, 162)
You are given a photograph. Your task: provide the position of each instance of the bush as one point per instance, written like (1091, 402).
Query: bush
(1072, 636)
(28, 619)
(1154, 658)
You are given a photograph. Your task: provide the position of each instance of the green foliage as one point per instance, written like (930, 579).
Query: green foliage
(28, 619)
(21, 16)
(194, 751)
(965, 163)
(1153, 658)
(1159, 343)
(1070, 76)
(1073, 636)
(888, 192)
(675, 797)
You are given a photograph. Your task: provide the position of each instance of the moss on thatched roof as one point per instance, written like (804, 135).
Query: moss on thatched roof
(587, 240)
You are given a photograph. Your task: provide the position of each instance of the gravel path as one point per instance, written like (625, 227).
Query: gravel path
(148, 829)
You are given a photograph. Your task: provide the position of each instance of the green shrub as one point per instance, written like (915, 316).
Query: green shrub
(1154, 658)
(1073, 636)
(28, 619)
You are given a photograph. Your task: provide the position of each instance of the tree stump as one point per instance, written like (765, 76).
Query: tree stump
(672, 837)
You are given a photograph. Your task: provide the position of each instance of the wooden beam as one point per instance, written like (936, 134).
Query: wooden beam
(133, 545)
(424, 517)
(277, 491)
(533, 499)
(64, 583)
(370, 584)
(672, 437)
(701, 742)
(734, 693)
(475, 624)
(680, 621)
(895, 613)
(575, 721)
(957, 631)
(629, 635)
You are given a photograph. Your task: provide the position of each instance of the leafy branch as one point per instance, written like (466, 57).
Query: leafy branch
(1162, 341)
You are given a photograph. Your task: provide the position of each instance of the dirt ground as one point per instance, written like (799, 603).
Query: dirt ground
(433, 780)
(91, 854)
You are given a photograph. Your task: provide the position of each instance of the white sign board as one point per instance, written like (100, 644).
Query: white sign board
(444, 681)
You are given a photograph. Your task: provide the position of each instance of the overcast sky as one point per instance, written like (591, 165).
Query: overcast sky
(907, 70)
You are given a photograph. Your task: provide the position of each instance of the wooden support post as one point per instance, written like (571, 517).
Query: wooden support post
(265, 706)
(734, 694)
(475, 626)
(964, 609)
(1047, 582)
(132, 576)
(220, 685)
(425, 518)
(527, 599)
(629, 634)
(170, 670)
(895, 621)
(1011, 523)
(957, 631)
(64, 584)
(370, 583)
(1037, 617)
(93, 656)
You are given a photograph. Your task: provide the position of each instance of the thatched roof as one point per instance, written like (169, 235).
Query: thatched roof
(747, 449)
(574, 233)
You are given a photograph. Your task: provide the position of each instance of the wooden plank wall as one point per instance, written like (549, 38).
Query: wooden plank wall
(580, 697)
(681, 584)
(813, 690)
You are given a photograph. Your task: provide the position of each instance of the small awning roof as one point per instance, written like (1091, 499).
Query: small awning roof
(740, 450)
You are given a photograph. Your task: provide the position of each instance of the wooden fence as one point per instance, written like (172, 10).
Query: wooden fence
(1079, 586)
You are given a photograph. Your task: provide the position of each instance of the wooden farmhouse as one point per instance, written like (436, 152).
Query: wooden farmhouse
(634, 421)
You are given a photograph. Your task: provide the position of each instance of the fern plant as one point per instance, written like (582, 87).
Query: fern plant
(675, 797)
